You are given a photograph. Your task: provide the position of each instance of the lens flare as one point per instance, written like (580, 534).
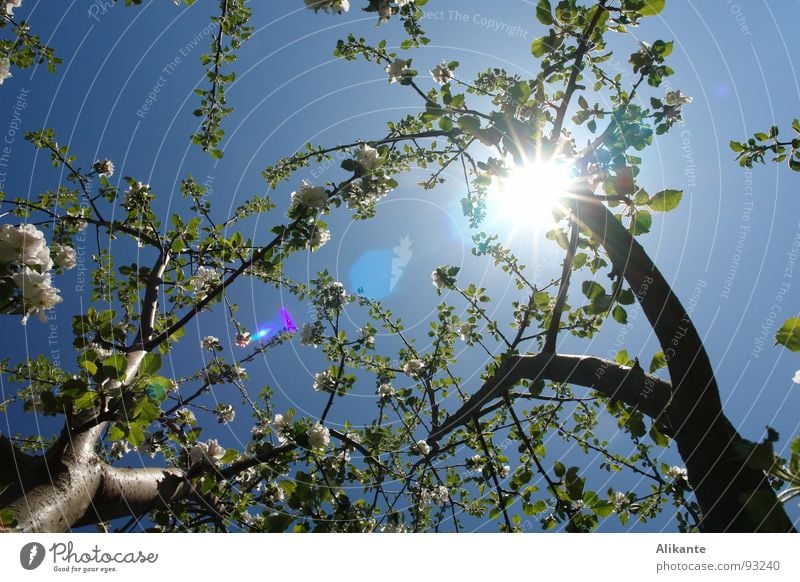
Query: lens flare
(283, 322)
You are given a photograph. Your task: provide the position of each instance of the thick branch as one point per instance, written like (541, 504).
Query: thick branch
(733, 495)
(150, 301)
(632, 386)
(125, 492)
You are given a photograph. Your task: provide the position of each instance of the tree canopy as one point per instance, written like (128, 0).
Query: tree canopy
(240, 362)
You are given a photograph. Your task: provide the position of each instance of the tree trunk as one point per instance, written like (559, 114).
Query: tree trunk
(733, 496)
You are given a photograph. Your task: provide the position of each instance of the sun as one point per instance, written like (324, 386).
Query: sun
(528, 194)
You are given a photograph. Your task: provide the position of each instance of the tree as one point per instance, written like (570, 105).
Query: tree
(444, 455)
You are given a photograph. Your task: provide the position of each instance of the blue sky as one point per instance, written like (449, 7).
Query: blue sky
(728, 244)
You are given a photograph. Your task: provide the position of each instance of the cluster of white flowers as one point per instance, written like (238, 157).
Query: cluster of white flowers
(274, 493)
(104, 168)
(677, 473)
(119, 449)
(324, 382)
(367, 157)
(225, 413)
(136, 196)
(421, 448)
(311, 334)
(310, 197)
(441, 73)
(25, 248)
(333, 296)
(439, 277)
(242, 339)
(368, 191)
(438, 495)
(677, 98)
(394, 528)
(397, 70)
(283, 428)
(365, 336)
(5, 70)
(149, 445)
(621, 501)
(465, 331)
(64, 256)
(203, 280)
(385, 390)
(318, 436)
(476, 462)
(208, 452)
(414, 368)
(319, 237)
(185, 416)
(210, 343)
(329, 6)
(796, 377)
(505, 471)
(101, 351)
(9, 5)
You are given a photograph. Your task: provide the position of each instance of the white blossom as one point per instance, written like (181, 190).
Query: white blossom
(677, 98)
(318, 436)
(225, 413)
(441, 73)
(621, 501)
(397, 70)
(440, 495)
(796, 378)
(203, 280)
(402, 3)
(333, 296)
(64, 256)
(319, 237)
(135, 196)
(505, 471)
(385, 390)
(209, 343)
(329, 6)
(5, 70)
(209, 452)
(119, 449)
(282, 428)
(311, 335)
(477, 463)
(324, 382)
(414, 368)
(394, 528)
(421, 447)
(439, 279)
(310, 196)
(465, 331)
(185, 416)
(677, 473)
(104, 168)
(367, 157)
(10, 5)
(38, 295)
(24, 245)
(242, 339)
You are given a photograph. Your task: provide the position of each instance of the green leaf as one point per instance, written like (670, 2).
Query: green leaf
(157, 388)
(151, 363)
(620, 315)
(659, 361)
(641, 223)
(665, 200)
(658, 437)
(789, 334)
(469, 124)
(652, 7)
(736, 146)
(592, 289)
(114, 366)
(544, 12)
(622, 357)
